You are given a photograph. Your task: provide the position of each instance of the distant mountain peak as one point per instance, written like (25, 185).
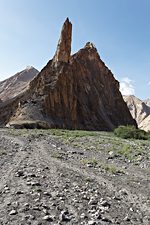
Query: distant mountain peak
(29, 67)
(17, 84)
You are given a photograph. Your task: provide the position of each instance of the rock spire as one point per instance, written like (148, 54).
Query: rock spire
(64, 44)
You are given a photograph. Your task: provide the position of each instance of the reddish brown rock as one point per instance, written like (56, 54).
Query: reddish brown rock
(73, 92)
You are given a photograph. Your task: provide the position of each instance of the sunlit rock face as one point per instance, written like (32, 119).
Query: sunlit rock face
(64, 45)
(139, 110)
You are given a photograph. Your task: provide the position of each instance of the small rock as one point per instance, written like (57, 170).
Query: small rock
(92, 202)
(111, 153)
(19, 173)
(48, 218)
(105, 204)
(13, 212)
(35, 184)
(64, 216)
(29, 217)
(106, 219)
(126, 218)
(83, 216)
(91, 222)
(19, 192)
(98, 215)
(123, 192)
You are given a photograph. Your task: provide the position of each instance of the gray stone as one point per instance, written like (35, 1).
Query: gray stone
(13, 212)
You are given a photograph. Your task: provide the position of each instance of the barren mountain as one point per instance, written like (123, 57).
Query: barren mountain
(17, 84)
(72, 91)
(139, 110)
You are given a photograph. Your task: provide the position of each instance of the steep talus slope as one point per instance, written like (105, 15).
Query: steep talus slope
(74, 92)
(140, 111)
(16, 84)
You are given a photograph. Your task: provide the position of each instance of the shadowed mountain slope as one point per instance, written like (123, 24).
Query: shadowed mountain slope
(17, 84)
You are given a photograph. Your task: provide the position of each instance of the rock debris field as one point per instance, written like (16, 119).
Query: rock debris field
(73, 177)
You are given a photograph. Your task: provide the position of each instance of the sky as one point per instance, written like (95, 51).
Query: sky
(120, 30)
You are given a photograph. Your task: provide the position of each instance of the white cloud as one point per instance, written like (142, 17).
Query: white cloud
(148, 83)
(127, 87)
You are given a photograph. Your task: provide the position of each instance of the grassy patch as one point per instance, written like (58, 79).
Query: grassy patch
(73, 134)
(130, 132)
(126, 151)
(112, 169)
(93, 162)
(148, 157)
(57, 155)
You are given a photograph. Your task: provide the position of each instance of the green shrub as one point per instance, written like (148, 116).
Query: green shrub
(130, 132)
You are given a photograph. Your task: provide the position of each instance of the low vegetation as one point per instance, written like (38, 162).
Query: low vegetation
(112, 145)
(93, 162)
(131, 132)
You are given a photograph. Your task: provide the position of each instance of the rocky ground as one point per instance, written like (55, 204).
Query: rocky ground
(66, 177)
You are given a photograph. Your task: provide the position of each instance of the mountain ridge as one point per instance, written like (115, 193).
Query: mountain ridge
(16, 84)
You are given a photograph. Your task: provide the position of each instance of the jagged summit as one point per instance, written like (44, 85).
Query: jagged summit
(29, 67)
(72, 91)
(90, 45)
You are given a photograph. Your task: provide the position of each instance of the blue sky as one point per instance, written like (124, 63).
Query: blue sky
(30, 29)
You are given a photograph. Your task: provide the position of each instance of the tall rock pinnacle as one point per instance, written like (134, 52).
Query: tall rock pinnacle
(64, 45)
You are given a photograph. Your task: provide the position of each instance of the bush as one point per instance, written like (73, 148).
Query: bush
(130, 132)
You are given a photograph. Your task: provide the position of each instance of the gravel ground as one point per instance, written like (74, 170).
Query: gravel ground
(62, 177)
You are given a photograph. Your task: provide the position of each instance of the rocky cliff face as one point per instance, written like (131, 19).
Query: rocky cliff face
(73, 92)
(17, 84)
(140, 111)
(64, 45)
